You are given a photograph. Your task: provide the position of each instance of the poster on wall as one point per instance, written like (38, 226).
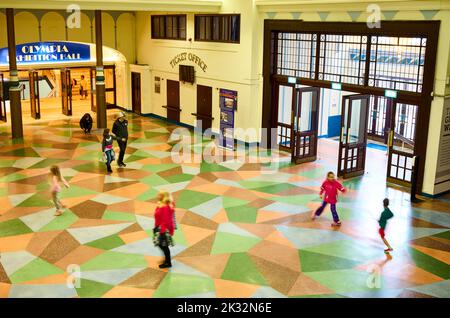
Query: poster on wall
(443, 166)
(228, 106)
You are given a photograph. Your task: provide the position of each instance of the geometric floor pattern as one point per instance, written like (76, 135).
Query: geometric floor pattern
(241, 232)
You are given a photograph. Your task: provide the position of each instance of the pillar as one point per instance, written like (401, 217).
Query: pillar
(100, 76)
(14, 89)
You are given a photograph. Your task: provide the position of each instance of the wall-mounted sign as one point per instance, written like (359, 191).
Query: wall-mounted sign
(336, 86)
(443, 166)
(185, 56)
(228, 105)
(48, 52)
(390, 93)
(405, 58)
(292, 80)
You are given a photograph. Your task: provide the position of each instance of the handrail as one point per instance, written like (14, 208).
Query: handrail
(172, 108)
(403, 139)
(284, 125)
(202, 116)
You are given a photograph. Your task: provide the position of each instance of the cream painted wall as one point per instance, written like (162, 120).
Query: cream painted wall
(53, 28)
(230, 66)
(126, 36)
(26, 27)
(82, 34)
(3, 35)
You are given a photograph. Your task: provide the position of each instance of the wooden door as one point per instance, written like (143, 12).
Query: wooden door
(204, 107)
(353, 139)
(284, 104)
(401, 143)
(173, 101)
(3, 116)
(136, 92)
(35, 106)
(305, 122)
(66, 95)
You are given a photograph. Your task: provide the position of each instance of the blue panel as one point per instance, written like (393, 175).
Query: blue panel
(48, 52)
(334, 126)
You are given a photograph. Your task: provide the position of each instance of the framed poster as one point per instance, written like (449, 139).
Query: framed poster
(442, 181)
(228, 106)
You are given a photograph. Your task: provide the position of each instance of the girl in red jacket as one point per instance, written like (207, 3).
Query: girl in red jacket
(164, 226)
(329, 193)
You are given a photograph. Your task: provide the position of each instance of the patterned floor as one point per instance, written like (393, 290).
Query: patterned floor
(242, 233)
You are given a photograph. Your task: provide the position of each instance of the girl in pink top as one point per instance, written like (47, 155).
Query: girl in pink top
(328, 193)
(55, 179)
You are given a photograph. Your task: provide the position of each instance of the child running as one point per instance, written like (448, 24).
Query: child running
(329, 194)
(384, 217)
(164, 226)
(56, 179)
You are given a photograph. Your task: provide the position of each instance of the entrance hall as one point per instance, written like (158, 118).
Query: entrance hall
(229, 216)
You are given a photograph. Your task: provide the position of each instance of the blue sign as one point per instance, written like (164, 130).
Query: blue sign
(403, 58)
(48, 52)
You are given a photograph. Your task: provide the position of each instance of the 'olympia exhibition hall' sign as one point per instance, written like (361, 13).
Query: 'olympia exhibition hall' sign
(48, 52)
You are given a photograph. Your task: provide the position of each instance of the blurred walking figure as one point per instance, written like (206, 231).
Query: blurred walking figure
(164, 226)
(55, 180)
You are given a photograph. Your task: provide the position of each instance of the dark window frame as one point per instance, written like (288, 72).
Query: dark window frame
(163, 22)
(214, 35)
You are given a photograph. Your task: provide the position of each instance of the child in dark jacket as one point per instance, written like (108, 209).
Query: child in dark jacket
(164, 227)
(329, 193)
(86, 123)
(384, 217)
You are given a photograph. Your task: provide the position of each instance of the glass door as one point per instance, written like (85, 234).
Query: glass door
(353, 140)
(401, 144)
(3, 116)
(304, 124)
(35, 104)
(66, 95)
(379, 118)
(285, 104)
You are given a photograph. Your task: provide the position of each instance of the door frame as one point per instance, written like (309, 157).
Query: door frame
(199, 113)
(174, 110)
(133, 89)
(428, 29)
(407, 156)
(275, 120)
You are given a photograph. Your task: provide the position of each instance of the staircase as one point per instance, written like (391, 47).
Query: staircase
(76, 73)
